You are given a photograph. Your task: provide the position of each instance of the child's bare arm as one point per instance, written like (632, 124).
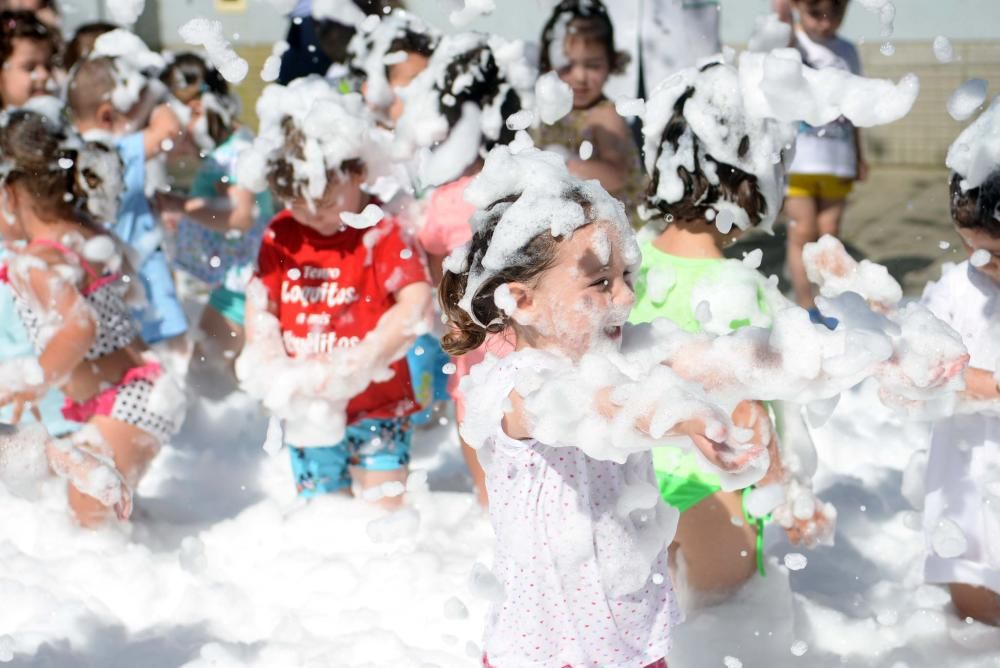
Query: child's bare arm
(233, 212)
(862, 166)
(981, 385)
(609, 135)
(163, 125)
(397, 328)
(66, 348)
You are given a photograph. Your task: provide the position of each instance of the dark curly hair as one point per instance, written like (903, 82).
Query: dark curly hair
(188, 77)
(488, 83)
(20, 24)
(977, 208)
(733, 184)
(587, 19)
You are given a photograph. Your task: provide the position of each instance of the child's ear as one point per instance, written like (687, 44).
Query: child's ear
(524, 297)
(105, 115)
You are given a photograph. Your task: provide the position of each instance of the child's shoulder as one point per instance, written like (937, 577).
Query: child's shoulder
(604, 113)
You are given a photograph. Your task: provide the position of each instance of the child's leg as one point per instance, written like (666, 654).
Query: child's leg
(803, 228)
(829, 213)
(129, 447)
(222, 341)
(719, 555)
(380, 454)
(979, 603)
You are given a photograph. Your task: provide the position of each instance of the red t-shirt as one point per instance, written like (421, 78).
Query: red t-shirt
(331, 291)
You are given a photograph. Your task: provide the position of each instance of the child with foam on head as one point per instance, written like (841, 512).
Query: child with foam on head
(65, 272)
(455, 111)
(339, 296)
(222, 223)
(578, 44)
(962, 527)
(115, 98)
(392, 53)
(705, 192)
(828, 159)
(582, 536)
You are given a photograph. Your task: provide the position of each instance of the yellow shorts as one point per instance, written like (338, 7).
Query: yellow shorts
(819, 186)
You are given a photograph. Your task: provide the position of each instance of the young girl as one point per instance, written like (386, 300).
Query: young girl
(581, 550)
(223, 222)
(578, 43)
(828, 159)
(27, 48)
(685, 278)
(465, 83)
(71, 297)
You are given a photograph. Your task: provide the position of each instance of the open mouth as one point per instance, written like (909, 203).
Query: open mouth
(613, 333)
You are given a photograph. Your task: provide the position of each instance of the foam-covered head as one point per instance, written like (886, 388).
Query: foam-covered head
(390, 53)
(54, 171)
(457, 107)
(206, 93)
(82, 44)
(549, 255)
(135, 66)
(308, 131)
(975, 154)
(708, 157)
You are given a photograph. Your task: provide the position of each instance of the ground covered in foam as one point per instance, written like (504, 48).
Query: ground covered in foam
(222, 566)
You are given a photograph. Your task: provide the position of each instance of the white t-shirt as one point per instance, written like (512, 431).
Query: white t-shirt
(672, 34)
(829, 149)
(963, 468)
(577, 589)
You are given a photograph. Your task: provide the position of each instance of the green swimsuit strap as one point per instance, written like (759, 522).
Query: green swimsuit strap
(759, 523)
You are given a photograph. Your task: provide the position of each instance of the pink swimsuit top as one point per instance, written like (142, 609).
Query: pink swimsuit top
(105, 295)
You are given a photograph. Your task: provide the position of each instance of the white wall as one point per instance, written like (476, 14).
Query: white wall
(262, 23)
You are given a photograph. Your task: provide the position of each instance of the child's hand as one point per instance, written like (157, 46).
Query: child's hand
(714, 447)
(26, 398)
(981, 384)
(806, 519)
(861, 171)
(171, 208)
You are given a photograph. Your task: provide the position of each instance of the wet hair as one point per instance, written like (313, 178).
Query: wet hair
(411, 41)
(90, 85)
(587, 19)
(478, 65)
(281, 176)
(838, 5)
(700, 193)
(529, 262)
(33, 147)
(977, 208)
(189, 77)
(20, 24)
(333, 36)
(83, 41)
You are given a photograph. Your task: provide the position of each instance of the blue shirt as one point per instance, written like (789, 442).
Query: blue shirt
(163, 317)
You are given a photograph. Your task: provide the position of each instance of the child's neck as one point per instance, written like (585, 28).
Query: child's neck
(690, 238)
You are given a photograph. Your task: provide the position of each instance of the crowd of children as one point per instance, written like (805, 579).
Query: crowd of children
(618, 454)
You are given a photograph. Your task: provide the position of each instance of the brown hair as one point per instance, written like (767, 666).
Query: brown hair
(33, 147)
(533, 259)
(733, 184)
(83, 41)
(977, 208)
(838, 5)
(90, 85)
(281, 170)
(20, 24)
(587, 19)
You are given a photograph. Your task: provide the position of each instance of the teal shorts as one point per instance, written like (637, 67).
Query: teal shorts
(231, 304)
(372, 445)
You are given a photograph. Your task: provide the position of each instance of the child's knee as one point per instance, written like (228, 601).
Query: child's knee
(978, 603)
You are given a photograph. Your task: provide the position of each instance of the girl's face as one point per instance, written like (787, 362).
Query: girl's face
(820, 20)
(342, 195)
(977, 239)
(582, 301)
(26, 73)
(400, 76)
(586, 70)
